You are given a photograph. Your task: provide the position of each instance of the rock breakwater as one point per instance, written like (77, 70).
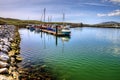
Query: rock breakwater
(9, 52)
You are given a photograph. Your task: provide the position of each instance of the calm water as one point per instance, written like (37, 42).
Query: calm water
(89, 54)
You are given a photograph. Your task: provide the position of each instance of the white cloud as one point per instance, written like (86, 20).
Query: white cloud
(114, 1)
(96, 4)
(100, 15)
(114, 13)
(117, 1)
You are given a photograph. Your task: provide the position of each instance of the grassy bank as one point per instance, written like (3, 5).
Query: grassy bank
(17, 22)
(23, 23)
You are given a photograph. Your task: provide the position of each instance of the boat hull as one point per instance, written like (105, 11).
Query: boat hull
(66, 33)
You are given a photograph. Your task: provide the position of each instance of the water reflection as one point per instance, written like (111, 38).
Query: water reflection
(65, 39)
(88, 51)
(112, 35)
(36, 42)
(116, 51)
(46, 36)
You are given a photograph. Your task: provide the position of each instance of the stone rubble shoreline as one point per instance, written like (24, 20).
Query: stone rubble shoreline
(9, 52)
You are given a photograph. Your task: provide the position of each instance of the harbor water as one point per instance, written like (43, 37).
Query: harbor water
(88, 54)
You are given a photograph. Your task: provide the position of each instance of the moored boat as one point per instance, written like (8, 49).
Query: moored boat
(37, 30)
(66, 30)
(32, 28)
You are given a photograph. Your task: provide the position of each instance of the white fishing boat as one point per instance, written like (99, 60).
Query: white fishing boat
(116, 25)
(27, 27)
(65, 29)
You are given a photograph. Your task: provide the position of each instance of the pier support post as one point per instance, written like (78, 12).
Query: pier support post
(56, 30)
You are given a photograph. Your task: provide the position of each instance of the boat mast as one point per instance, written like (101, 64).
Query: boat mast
(48, 18)
(42, 17)
(63, 19)
(28, 20)
(51, 19)
(44, 13)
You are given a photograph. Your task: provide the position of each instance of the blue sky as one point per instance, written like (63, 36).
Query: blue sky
(86, 11)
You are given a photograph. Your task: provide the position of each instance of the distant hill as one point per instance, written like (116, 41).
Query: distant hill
(110, 22)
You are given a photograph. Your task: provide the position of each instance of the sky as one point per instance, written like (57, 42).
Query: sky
(85, 11)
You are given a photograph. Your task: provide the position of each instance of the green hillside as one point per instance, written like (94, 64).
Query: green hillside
(23, 23)
(18, 22)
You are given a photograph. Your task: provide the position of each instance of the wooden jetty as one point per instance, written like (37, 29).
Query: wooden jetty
(44, 29)
(53, 33)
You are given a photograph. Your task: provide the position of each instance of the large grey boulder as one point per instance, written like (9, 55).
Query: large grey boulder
(7, 44)
(4, 64)
(4, 50)
(3, 56)
(6, 47)
(3, 77)
(0, 47)
(3, 70)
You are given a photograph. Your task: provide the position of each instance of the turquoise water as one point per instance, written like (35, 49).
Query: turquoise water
(89, 54)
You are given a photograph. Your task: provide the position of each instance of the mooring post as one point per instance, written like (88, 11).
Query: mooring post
(56, 30)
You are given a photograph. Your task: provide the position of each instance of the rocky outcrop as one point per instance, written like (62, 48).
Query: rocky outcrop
(9, 52)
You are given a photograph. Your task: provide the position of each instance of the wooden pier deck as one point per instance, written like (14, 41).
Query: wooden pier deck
(53, 33)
